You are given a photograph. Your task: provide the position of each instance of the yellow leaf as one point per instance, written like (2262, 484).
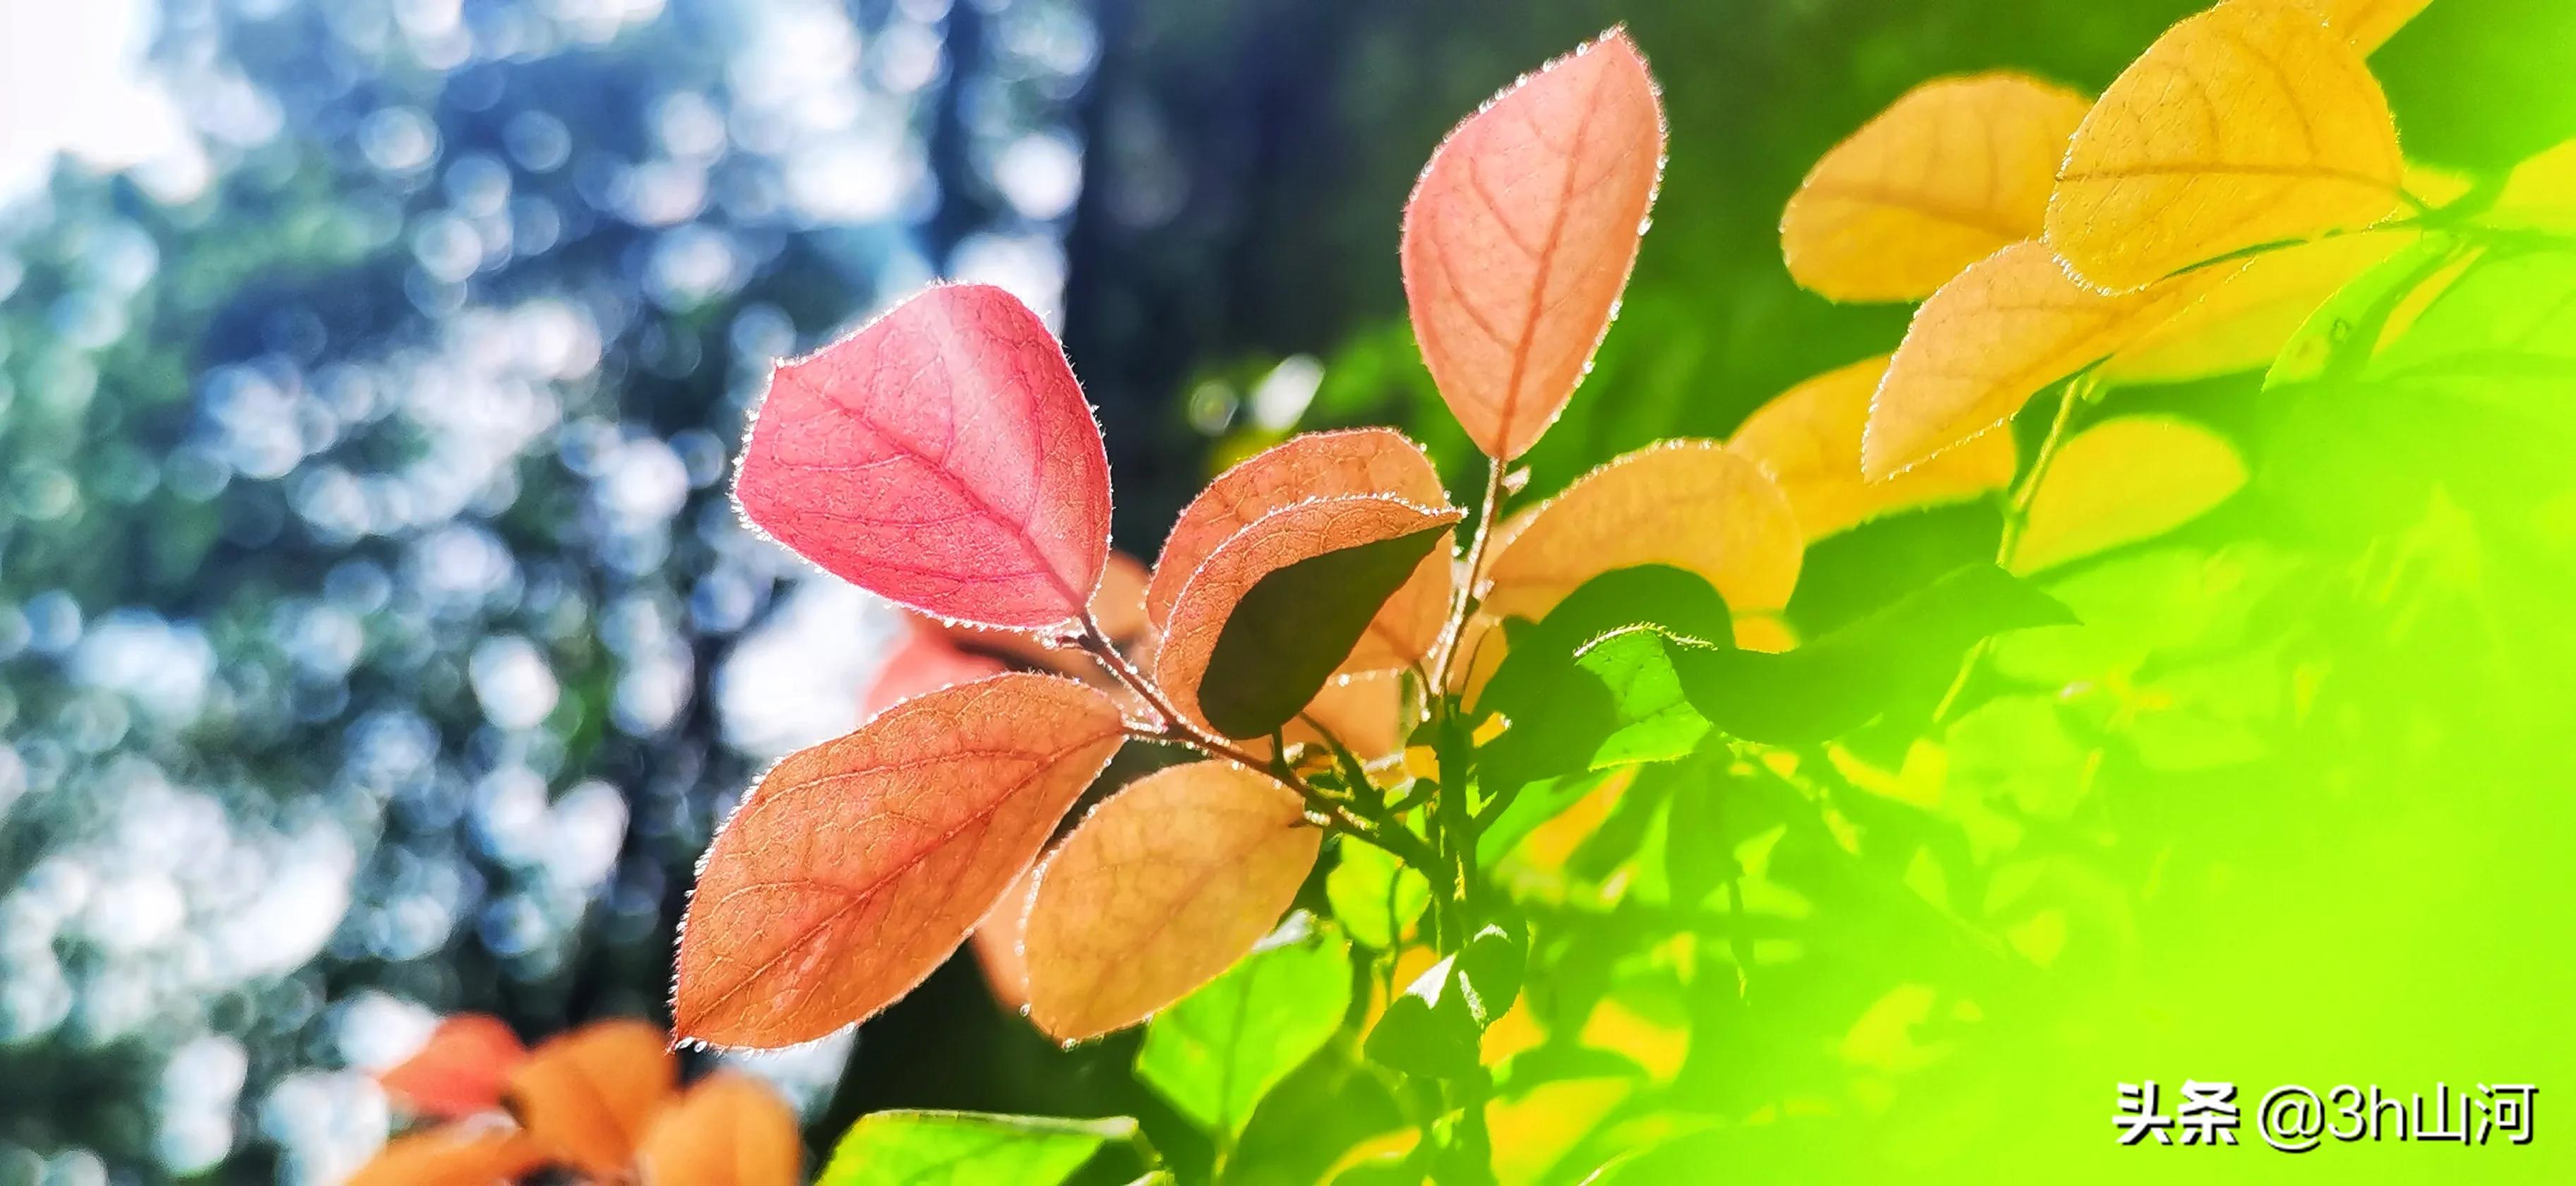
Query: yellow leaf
(2126, 479)
(1161, 888)
(2248, 124)
(1535, 1131)
(2540, 194)
(2244, 321)
(1808, 439)
(2008, 326)
(2367, 24)
(1951, 171)
(1686, 503)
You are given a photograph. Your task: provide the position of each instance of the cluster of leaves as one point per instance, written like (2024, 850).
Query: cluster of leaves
(602, 1101)
(1542, 751)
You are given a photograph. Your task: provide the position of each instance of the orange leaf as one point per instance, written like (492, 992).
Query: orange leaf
(2248, 124)
(588, 1095)
(925, 661)
(1407, 627)
(1309, 465)
(1808, 439)
(1520, 234)
(2126, 479)
(1293, 655)
(2367, 24)
(459, 1070)
(856, 866)
(1686, 503)
(2008, 326)
(729, 1130)
(1365, 713)
(1953, 170)
(1118, 605)
(941, 457)
(466, 1153)
(1161, 888)
(2540, 193)
(996, 943)
(2245, 320)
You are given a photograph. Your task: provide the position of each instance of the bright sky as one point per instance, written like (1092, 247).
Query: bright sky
(70, 82)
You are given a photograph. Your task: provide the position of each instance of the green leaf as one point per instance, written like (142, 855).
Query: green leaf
(1374, 896)
(1844, 679)
(1565, 722)
(2505, 328)
(2336, 341)
(1429, 1030)
(923, 1148)
(1656, 721)
(1215, 1054)
(1287, 634)
(1535, 804)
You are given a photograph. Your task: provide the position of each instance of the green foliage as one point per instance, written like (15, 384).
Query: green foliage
(919, 1148)
(1224, 1047)
(1288, 633)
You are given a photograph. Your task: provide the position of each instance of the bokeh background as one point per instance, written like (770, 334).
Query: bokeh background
(376, 640)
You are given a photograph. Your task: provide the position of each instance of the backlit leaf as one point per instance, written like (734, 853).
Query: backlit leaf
(1565, 719)
(2540, 193)
(1364, 712)
(587, 1096)
(941, 457)
(2367, 24)
(2370, 311)
(997, 947)
(923, 1148)
(1375, 897)
(2011, 324)
(2502, 330)
(2123, 480)
(1520, 233)
(856, 866)
(466, 1153)
(1277, 607)
(1118, 605)
(1407, 627)
(729, 1130)
(1690, 504)
(1953, 171)
(1224, 1047)
(2247, 124)
(923, 661)
(2242, 323)
(1160, 889)
(1808, 439)
(1306, 466)
(460, 1070)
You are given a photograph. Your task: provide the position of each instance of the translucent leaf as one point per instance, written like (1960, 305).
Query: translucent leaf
(465, 1153)
(2502, 330)
(729, 1130)
(997, 945)
(1953, 171)
(1162, 887)
(1808, 439)
(586, 1096)
(2540, 193)
(2243, 322)
(922, 661)
(1690, 504)
(2010, 325)
(2370, 311)
(2367, 24)
(1519, 237)
(2247, 124)
(2123, 480)
(1224, 1047)
(1564, 719)
(1375, 897)
(459, 1071)
(941, 457)
(1306, 466)
(1275, 609)
(1364, 712)
(923, 1148)
(856, 866)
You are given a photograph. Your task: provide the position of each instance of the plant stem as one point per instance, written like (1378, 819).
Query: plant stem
(2016, 516)
(1452, 632)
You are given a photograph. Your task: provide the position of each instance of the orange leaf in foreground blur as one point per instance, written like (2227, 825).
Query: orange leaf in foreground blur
(941, 457)
(856, 866)
(459, 1071)
(467, 1153)
(1301, 533)
(1520, 233)
(2248, 124)
(586, 1096)
(1687, 503)
(923, 661)
(1161, 888)
(1953, 170)
(1808, 439)
(2008, 326)
(729, 1130)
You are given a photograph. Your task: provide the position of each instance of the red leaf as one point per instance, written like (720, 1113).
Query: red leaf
(1520, 234)
(925, 661)
(856, 866)
(459, 1070)
(942, 457)
(587, 1096)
